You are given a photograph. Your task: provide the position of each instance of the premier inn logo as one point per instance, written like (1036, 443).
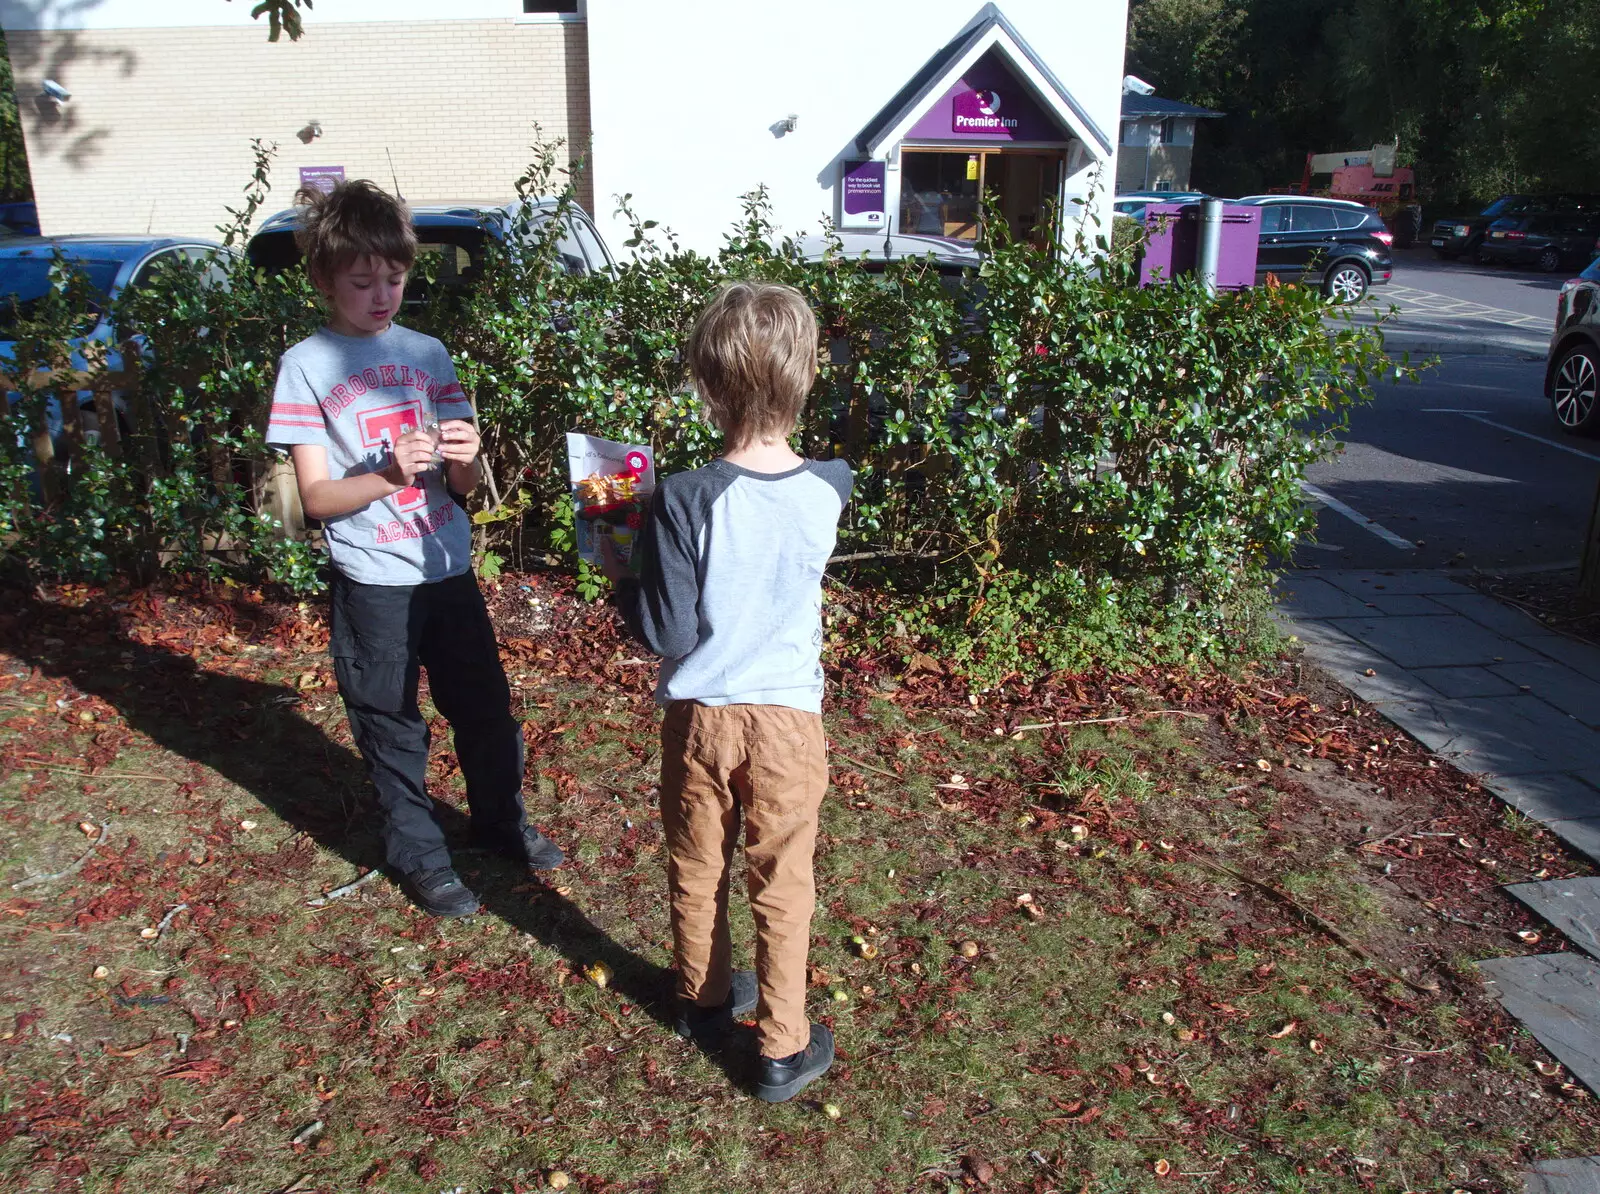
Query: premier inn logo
(979, 112)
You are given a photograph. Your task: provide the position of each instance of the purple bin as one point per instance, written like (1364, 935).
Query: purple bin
(1174, 243)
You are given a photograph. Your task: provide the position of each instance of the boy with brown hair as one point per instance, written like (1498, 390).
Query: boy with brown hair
(383, 444)
(730, 596)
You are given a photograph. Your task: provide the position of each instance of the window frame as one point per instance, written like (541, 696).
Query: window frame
(554, 18)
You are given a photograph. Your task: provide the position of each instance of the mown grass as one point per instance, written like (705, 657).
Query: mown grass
(1157, 1024)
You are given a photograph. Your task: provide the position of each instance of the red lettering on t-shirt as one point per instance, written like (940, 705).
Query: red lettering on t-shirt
(382, 427)
(389, 378)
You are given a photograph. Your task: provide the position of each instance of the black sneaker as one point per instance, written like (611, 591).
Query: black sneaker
(708, 1026)
(440, 892)
(784, 1077)
(525, 845)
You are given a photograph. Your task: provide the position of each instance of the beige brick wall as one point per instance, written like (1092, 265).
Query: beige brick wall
(157, 133)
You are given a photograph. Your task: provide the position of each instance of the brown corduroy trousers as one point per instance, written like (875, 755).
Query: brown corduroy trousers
(766, 765)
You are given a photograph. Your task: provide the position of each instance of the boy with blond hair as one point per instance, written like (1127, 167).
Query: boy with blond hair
(730, 596)
(383, 443)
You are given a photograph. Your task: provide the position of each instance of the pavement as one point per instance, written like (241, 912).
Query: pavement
(1496, 693)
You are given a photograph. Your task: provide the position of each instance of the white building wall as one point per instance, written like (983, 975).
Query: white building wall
(682, 95)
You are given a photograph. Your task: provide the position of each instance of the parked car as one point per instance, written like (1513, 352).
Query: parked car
(875, 250)
(112, 265)
(1572, 364)
(20, 218)
(1548, 241)
(1336, 244)
(456, 235)
(1133, 203)
(1461, 236)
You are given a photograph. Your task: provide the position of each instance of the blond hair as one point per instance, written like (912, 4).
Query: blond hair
(354, 221)
(753, 357)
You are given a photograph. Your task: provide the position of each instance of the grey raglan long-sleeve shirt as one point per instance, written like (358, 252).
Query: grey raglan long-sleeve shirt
(730, 587)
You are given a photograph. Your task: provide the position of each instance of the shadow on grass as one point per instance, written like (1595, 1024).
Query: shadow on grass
(250, 732)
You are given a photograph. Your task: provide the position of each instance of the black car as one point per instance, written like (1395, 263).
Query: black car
(454, 234)
(1572, 365)
(1549, 241)
(1338, 245)
(1461, 236)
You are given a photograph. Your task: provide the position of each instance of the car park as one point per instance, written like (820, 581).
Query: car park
(113, 265)
(1572, 363)
(1548, 241)
(1133, 203)
(455, 236)
(1338, 245)
(1462, 236)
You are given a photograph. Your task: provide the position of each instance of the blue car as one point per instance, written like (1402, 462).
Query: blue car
(112, 264)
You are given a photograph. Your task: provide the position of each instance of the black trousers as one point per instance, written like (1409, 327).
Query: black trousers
(380, 636)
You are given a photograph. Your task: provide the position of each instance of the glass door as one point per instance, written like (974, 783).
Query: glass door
(939, 190)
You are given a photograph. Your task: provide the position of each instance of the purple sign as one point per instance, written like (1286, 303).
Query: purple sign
(1175, 242)
(863, 195)
(321, 178)
(988, 103)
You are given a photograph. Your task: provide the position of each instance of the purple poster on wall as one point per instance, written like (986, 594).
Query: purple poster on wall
(321, 178)
(863, 195)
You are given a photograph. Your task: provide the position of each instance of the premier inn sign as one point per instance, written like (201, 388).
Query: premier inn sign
(979, 112)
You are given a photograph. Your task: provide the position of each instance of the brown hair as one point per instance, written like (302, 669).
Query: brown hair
(753, 357)
(353, 221)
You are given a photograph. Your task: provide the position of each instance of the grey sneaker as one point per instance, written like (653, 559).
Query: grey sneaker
(709, 1026)
(440, 892)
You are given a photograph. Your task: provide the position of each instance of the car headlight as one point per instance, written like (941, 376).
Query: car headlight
(1463, 229)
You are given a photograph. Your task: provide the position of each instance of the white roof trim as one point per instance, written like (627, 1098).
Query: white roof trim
(1044, 91)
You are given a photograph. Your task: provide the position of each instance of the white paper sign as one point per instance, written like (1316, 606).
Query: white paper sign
(588, 455)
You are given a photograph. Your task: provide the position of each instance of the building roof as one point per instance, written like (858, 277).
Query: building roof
(1135, 106)
(989, 26)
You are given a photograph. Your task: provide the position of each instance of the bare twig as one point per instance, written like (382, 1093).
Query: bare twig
(839, 754)
(1325, 926)
(166, 921)
(1102, 721)
(857, 556)
(66, 769)
(341, 892)
(105, 832)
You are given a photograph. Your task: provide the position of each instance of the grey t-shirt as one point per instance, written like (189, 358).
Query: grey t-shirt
(730, 586)
(354, 396)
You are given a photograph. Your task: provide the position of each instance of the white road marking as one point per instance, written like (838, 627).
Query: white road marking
(1361, 520)
(1549, 443)
(1444, 304)
(1450, 410)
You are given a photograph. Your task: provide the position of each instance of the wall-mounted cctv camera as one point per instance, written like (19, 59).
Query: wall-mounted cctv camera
(787, 125)
(1133, 84)
(310, 133)
(56, 91)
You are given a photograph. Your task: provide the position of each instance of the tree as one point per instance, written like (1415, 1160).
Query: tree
(283, 16)
(15, 182)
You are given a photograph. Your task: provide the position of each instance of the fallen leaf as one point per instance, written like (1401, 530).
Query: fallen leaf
(1284, 1031)
(1529, 937)
(978, 1168)
(247, 825)
(1548, 1069)
(1163, 1167)
(233, 1121)
(1263, 765)
(88, 828)
(100, 972)
(831, 1110)
(1315, 1046)
(969, 949)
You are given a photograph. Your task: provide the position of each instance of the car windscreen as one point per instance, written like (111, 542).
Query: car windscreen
(1509, 203)
(26, 280)
(1592, 273)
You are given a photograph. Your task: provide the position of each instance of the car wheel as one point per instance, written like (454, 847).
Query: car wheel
(1346, 283)
(1549, 261)
(1575, 390)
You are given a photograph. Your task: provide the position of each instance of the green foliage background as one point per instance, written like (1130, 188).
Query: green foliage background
(1485, 96)
(1053, 464)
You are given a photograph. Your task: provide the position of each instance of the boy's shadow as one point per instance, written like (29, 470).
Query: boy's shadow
(250, 733)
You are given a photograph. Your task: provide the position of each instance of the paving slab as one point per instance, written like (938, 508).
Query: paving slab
(1350, 661)
(1583, 835)
(1557, 684)
(1366, 584)
(1509, 735)
(1571, 905)
(1554, 797)
(1580, 657)
(1457, 682)
(1574, 1175)
(1310, 597)
(1496, 615)
(1557, 998)
(1446, 640)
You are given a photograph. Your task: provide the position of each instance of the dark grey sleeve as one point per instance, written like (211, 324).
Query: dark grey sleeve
(836, 473)
(662, 607)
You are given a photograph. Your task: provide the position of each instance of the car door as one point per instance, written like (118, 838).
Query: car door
(1312, 232)
(1272, 256)
(594, 249)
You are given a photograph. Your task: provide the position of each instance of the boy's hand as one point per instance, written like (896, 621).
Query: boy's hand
(412, 454)
(459, 441)
(611, 563)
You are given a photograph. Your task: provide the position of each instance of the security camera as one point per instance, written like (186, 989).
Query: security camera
(1135, 85)
(56, 91)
